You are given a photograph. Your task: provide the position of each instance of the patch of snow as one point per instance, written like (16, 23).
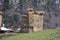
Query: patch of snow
(5, 29)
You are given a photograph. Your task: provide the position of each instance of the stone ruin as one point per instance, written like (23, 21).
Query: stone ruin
(35, 19)
(32, 21)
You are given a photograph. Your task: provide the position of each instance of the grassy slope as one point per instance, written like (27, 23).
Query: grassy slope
(43, 35)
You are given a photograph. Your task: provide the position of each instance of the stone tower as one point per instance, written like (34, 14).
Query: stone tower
(35, 20)
(38, 20)
(30, 13)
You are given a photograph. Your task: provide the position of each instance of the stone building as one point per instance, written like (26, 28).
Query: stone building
(32, 21)
(38, 20)
(35, 19)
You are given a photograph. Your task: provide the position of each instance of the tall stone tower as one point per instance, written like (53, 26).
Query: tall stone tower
(35, 20)
(30, 13)
(38, 20)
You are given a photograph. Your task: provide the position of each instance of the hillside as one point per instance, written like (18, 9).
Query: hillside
(43, 35)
